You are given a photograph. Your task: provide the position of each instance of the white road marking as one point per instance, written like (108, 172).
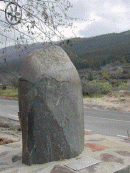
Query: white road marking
(87, 130)
(99, 109)
(95, 108)
(13, 106)
(13, 115)
(122, 136)
(108, 119)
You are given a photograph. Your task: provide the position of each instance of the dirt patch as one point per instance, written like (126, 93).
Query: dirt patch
(87, 133)
(8, 98)
(116, 100)
(9, 131)
(106, 157)
(123, 153)
(96, 147)
(5, 141)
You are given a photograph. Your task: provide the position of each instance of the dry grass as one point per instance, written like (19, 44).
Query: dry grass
(115, 100)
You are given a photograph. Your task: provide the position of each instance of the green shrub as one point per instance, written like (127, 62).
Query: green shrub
(96, 88)
(124, 86)
(91, 88)
(105, 87)
(121, 86)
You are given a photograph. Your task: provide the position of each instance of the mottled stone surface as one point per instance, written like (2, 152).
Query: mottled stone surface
(123, 153)
(61, 169)
(51, 107)
(106, 157)
(96, 147)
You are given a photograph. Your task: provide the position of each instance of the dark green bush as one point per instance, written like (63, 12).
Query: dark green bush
(96, 88)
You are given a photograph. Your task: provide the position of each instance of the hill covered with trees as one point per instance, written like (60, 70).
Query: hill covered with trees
(102, 58)
(91, 52)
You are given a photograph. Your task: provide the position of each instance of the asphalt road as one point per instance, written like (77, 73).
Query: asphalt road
(106, 122)
(112, 123)
(9, 109)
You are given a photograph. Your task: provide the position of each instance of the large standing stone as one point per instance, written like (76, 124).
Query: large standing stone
(51, 107)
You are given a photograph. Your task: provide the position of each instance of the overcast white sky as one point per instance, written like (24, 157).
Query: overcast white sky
(110, 16)
(99, 17)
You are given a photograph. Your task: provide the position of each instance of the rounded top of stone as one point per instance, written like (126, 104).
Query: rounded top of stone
(52, 62)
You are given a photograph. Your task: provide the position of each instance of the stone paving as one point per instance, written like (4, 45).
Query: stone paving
(113, 155)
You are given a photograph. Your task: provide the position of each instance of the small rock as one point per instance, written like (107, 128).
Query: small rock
(61, 169)
(16, 158)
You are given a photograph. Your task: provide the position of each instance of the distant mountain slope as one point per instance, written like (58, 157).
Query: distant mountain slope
(12, 58)
(21, 51)
(84, 52)
(92, 52)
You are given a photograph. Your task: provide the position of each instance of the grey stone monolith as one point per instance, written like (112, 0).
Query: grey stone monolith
(51, 107)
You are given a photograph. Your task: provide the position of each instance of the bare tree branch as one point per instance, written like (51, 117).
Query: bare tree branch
(41, 20)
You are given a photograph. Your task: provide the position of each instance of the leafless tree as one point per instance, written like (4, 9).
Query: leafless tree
(30, 21)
